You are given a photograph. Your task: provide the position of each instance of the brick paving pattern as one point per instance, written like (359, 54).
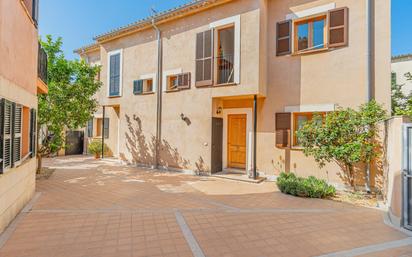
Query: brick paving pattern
(99, 208)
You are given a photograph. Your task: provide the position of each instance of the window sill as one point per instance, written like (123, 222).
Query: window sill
(225, 84)
(172, 90)
(146, 93)
(114, 96)
(307, 52)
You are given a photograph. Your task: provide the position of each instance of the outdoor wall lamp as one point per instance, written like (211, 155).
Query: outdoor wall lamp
(185, 119)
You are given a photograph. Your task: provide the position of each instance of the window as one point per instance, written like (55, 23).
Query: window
(204, 54)
(178, 82)
(225, 55)
(299, 120)
(33, 132)
(172, 83)
(310, 34)
(114, 74)
(32, 7)
(15, 136)
(283, 127)
(102, 127)
(142, 86)
(326, 30)
(90, 128)
(394, 78)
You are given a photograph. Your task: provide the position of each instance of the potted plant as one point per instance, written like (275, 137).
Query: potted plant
(95, 147)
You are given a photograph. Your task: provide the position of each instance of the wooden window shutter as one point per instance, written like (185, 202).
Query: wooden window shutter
(204, 58)
(138, 87)
(17, 135)
(6, 134)
(1, 134)
(183, 81)
(283, 128)
(106, 127)
(114, 86)
(90, 128)
(338, 27)
(33, 132)
(283, 38)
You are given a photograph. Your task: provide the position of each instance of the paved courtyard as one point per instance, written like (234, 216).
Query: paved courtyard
(101, 208)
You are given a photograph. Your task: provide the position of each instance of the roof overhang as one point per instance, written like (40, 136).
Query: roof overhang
(160, 18)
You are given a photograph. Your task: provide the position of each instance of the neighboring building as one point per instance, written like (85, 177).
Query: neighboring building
(295, 57)
(401, 65)
(23, 75)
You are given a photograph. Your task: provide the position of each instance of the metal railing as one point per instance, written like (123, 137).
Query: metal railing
(225, 69)
(42, 65)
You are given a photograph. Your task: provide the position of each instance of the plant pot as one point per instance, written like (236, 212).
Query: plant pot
(97, 156)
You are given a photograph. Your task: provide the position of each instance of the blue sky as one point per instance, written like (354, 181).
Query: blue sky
(77, 21)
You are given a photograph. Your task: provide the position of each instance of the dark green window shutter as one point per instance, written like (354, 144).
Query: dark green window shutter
(1, 134)
(138, 87)
(33, 132)
(17, 135)
(114, 83)
(90, 128)
(106, 127)
(6, 132)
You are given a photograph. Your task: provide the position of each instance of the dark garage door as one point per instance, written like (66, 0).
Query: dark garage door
(74, 142)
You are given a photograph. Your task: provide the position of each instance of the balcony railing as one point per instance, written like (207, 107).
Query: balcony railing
(225, 69)
(42, 65)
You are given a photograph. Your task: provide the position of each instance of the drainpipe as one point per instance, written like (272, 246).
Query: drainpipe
(104, 114)
(370, 68)
(254, 135)
(159, 93)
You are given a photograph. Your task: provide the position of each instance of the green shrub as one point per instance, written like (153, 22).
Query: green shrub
(95, 147)
(311, 187)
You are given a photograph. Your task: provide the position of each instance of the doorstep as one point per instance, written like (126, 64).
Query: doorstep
(237, 175)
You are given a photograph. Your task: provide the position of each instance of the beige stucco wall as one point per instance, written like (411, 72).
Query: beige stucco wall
(18, 50)
(18, 77)
(336, 77)
(393, 129)
(16, 189)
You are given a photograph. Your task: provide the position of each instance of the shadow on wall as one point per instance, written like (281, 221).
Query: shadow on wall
(143, 149)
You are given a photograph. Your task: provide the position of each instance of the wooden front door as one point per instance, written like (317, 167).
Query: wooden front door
(236, 143)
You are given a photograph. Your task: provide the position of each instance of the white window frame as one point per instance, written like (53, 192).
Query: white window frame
(234, 20)
(109, 54)
(168, 73)
(153, 77)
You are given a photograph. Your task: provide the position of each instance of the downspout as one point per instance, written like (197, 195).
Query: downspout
(103, 124)
(370, 68)
(254, 136)
(159, 93)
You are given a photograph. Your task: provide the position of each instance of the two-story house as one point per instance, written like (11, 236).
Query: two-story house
(225, 84)
(23, 75)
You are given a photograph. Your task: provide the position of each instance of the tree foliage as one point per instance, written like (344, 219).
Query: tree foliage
(346, 136)
(401, 104)
(69, 103)
(398, 97)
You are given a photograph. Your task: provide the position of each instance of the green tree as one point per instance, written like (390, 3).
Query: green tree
(398, 97)
(405, 108)
(346, 136)
(69, 103)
